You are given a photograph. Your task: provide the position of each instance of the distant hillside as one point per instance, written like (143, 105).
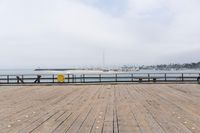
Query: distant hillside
(174, 66)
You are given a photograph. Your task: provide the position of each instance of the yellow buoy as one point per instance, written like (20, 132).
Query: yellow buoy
(61, 78)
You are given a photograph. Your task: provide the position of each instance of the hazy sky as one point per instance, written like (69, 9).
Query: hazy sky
(74, 33)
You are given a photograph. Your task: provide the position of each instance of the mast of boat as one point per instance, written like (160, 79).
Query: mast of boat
(103, 59)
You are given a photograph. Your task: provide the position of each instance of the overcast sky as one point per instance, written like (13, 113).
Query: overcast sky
(74, 33)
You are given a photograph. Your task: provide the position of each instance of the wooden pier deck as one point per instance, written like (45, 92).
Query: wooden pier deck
(100, 108)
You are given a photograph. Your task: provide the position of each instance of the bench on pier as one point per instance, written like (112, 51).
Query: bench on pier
(21, 79)
(38, 79)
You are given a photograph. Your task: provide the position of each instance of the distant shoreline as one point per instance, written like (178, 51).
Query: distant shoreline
(55, 69)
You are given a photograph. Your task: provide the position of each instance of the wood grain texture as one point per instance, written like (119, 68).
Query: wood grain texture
(152, 108)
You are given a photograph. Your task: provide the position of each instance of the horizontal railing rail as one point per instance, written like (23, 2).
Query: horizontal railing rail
(100, 78)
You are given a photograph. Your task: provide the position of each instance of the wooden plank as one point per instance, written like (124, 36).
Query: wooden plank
(160, 111)
(100, 114)
(88, 123)
(36, 124)
(126, 118)
(109, 120)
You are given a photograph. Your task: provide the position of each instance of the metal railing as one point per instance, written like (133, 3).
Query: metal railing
(101, 78)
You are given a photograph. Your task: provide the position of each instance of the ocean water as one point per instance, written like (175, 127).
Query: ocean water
(77, 72)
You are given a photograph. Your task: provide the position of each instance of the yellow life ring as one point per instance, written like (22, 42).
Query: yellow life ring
(61, 78)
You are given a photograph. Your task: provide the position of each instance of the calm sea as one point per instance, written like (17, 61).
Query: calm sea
(31, 71)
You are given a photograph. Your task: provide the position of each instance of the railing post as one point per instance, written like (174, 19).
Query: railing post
(74, 78)
(83, 78)
(68, 78)
(116, 78)
(99, 77)
(53, 76)
(132, 77)
(165, 77)
(23, 78)
(182, 77)
(17, 79)
(8, 78)
(148, 77)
